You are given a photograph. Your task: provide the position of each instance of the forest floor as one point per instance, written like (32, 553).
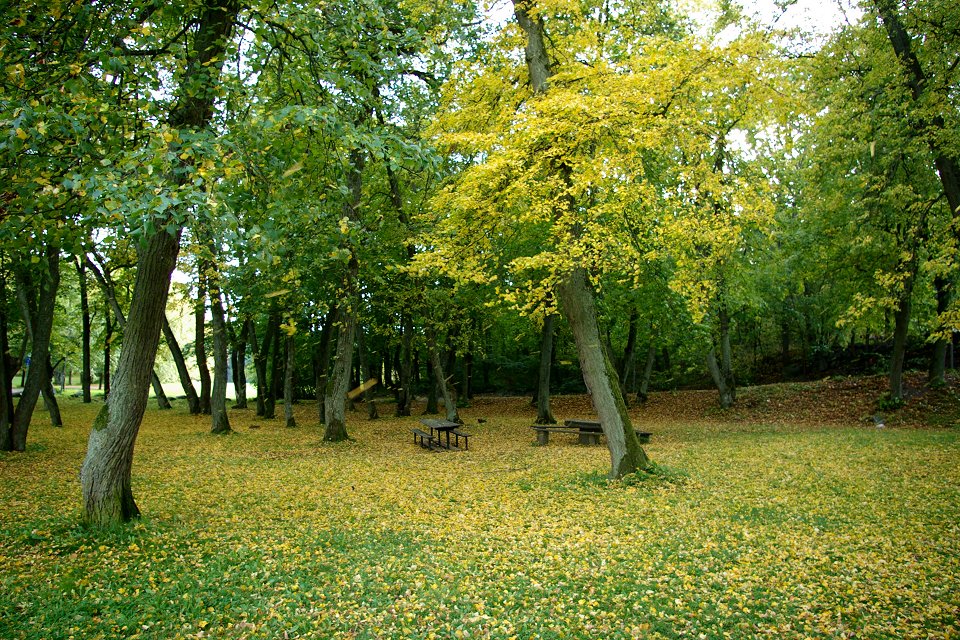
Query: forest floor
(791, 516)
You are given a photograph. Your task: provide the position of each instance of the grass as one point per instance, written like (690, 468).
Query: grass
(743, 531)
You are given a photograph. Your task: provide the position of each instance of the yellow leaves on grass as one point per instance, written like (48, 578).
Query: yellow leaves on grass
(784, 531)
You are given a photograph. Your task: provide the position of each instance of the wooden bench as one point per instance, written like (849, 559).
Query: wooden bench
(424, 439)
(457, 434)
(588, 431)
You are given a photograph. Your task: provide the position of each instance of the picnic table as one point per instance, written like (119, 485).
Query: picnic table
(440, 433)
(587, 431)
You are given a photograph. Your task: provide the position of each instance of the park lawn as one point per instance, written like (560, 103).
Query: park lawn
(780, 530)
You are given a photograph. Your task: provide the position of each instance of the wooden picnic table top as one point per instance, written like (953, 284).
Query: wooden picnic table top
(584, 425)
(440, 425)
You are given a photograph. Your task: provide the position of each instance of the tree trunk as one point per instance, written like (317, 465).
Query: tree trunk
(193, 401)
(433, 391)
(85, 377)
(321, 363)
(50, 396)
(629, 354)
(277, 360)
(900, 332)
(446, 391)
(105, 476)
(6, 371)
(544, 414)
(722, 371)
(938, 356)
(40, 326)
(291, 366)
(220, 421)
(335, 398)
(405, 395)
(200, 345)
(647, 372)
(626, 454)
(364, 358)
(259, 364)
(107, 339)
(239, 360)
(336, 393)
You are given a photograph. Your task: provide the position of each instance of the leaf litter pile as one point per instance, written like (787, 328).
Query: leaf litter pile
(759, 522)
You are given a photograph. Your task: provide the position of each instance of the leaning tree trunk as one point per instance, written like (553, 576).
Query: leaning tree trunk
(220, 421)
(626, 454)
(193, 400)
(107, 340)
(200, 345)
(105, 475)
(85, 377)
(289, 420)
(544, 414)
(40, 328)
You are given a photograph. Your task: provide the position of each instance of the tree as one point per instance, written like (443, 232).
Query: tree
(105, 475)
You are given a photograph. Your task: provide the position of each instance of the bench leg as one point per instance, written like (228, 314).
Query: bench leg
(543, 437)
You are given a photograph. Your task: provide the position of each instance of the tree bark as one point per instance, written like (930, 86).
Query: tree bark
(238, 355)
(85, 377)
(544, 414)
(600, 377)
(259, 363)
(107, 339)
(193, 401)
(335, 425)
(900, 332)
(365, 366)
(105, 477)
(6, 372)
(405, 391)
(446, 391)
(220, 421)
(106, 473)
(200, 345)
(40, 325)
(50, 395)
(938, 356)
(647, 373)
(277, 361)
(290, 343)
(629, 354)
(321, 363)
(722, 371)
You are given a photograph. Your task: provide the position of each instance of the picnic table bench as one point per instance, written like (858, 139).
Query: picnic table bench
(440, 435)
(588, 431)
